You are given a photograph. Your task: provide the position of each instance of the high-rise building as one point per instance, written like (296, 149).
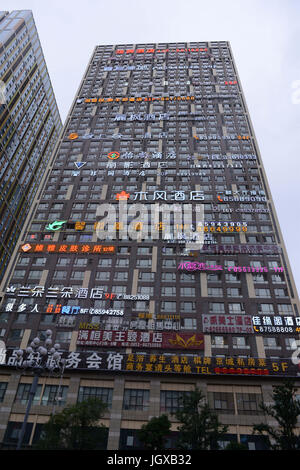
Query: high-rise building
(30, 126)
(154, 253)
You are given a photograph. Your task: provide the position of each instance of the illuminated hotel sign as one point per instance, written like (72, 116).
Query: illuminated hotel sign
(140, 339)
(168, 364)
(90, 248)
(196, 266)
(133, 99)
(236, 249)
(227, 324)
(276, 324)
(163, 51)
(71, 293)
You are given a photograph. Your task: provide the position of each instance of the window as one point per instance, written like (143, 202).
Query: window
(215, 292)
(3, 387)
(63, 336)
(135, 399)
(171, 400)
(213, 277)
(223, 402)
(122, 262)
(263, 293)
(121, 276)
(77, 275)
(54, 394)
(216, 307)
(22, 394)
(61, 275)
(266, 308)
(188, 291)
(188, 323)
(236, 308)
(281, 292)
(285, 308)
(234, 292)
(270, 343)
(169, 277)
(248, 403)
(239, 342)
(219, 342)
(16, 334)
(63, 261)
(168, 306)
(102, 393)
(103, 275)
(168, 291)
(188, 306)
(290, 343)
(105, 262)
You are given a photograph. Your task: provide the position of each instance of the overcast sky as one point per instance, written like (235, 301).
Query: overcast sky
(264, 36)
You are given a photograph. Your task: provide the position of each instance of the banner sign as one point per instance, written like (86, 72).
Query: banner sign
(167, 364)
(227, 324)
(140, 339)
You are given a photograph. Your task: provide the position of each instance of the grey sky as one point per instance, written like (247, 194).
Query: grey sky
(264, 36)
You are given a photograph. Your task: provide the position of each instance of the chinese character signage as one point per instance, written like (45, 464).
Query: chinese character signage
(90, 248)
(140, 339)
(227, 324)
(276, 324)
(95, 293)
(161, 363)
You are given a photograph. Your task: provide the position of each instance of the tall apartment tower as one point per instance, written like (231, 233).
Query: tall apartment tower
(30, 126)
(153, 252)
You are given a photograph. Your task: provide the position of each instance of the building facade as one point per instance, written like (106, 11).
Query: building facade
(153, 252)
(30, 126)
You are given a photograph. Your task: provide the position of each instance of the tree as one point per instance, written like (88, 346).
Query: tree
(200, 429)
(154, 434)
(285, 411)
(75, 427)
(233, 445)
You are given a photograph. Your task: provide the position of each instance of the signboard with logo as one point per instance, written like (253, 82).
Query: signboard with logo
(140, 339)
(227, 324)
(276, 324)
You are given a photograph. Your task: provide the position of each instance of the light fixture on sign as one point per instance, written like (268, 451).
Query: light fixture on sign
(79, 164)
(55, 225)
(113, 155)
(26, 247)
(123, 195)
(73, 136)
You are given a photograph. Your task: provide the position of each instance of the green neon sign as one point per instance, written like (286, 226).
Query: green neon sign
(54, 226)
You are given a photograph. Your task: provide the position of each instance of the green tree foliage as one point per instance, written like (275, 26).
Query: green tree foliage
(75, 427)
(200, 427)
(285, 411)
(154, 434)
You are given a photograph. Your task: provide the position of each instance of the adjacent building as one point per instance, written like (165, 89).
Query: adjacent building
(154, 253)
(30, 126)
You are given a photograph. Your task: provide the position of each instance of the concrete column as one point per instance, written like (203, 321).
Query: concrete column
(116, 415)
(154, 259)
(154, 407)
(135, 282)
(203, 284)
(73, 390)
(25, 339)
